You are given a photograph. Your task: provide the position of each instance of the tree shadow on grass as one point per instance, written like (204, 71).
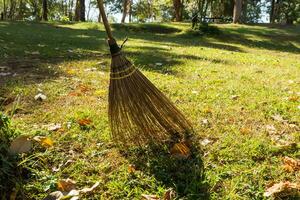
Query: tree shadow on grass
(185, 175)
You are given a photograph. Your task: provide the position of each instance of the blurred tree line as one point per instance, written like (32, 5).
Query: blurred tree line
(220, 11)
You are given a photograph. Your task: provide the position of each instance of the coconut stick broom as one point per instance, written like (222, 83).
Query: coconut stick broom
(138, 112)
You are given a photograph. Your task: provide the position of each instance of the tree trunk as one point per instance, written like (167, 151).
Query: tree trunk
(99, 16)
(4, 9)
(21, 10)
(272, 12)
(77, 11)
(45, 10)
(82, 10)
(12, 9)
(125, 10)
(130, 11)
(237, 10)
(177, 10)
(70, 14)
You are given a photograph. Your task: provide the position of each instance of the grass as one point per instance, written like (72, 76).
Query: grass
(229, 85)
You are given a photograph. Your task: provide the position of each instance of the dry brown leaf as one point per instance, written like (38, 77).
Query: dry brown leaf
(86, 190)
(44, 141)
(131, 168)
(169, 194)
(54, 127)
(245, 131)
(74, 94)
(207, 111)
(84, 122)
(150, 197)
(66, 185)
(291, 164)
(283, 189)
(83, 88)
(180, 150)
(54, 196)
(21, 144)
(293, 98)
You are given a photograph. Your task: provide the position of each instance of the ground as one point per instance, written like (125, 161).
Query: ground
(239, 88)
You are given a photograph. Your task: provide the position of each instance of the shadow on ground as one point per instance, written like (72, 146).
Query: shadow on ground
(184, 175)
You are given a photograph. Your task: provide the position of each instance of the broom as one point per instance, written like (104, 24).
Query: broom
(138, 112)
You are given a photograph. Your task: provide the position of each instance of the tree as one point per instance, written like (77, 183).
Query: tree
(237, 11)
(45, 10)
(80, 10)
(125, 10)
(178, 8)
(272, 11)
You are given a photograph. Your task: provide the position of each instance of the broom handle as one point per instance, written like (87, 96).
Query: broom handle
(105, 21)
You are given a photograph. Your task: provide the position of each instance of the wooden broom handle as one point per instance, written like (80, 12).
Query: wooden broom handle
(105, 21)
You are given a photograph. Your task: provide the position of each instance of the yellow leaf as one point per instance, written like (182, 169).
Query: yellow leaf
(180, 150)
(293, 98)
(44, 141)
(21, 144)
(245, 131)
(66, 185)
(100, 92)
(71, 71)
(131, 168)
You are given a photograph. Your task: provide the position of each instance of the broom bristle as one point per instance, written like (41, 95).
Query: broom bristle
(138, 112)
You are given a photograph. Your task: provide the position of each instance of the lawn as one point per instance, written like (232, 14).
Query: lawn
(240, 89)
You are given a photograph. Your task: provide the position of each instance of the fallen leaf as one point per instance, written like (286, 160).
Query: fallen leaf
(207, 111)
(245, 131)
(83, 88)
(54, 196)
(56, 169)
(21, 144)
(84, 122)
(234, 97)
(131, 168)
(74, 94)
(205, 142)
(283, 189)
(40, 97)
(149, 197)
(54, 127)
(87, 190)
(71, 71)
(33, 52)
(293, 98)
(271, 129)
(66, 185)
(91, 69)
(205, 122)
(44, 141)
(169, 194)
(278, 117)
(180, 150)
(291, 164)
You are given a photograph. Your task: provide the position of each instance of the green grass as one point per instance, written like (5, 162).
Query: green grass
(237, 80)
